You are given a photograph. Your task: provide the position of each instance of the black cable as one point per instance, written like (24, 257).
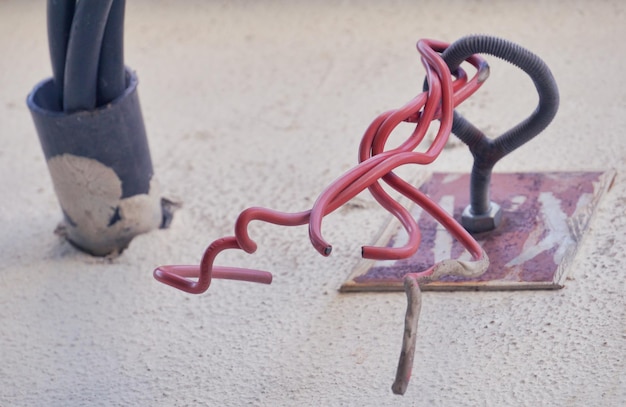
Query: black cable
(111, 74)
(83, 54)
(60, 14)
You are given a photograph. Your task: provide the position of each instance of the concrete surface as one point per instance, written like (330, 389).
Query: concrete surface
(263, 103)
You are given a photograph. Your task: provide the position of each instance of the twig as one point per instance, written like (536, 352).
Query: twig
(405, 364)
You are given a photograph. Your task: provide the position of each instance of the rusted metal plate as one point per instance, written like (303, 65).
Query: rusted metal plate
(544, 218)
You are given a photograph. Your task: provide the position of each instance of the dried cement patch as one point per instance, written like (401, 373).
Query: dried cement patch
(96, 218)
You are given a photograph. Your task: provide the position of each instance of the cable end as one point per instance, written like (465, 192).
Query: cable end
(483, 72)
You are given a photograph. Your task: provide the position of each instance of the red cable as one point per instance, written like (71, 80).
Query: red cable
(375, 164)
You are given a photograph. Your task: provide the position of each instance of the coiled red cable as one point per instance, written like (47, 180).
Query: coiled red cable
(375, 164)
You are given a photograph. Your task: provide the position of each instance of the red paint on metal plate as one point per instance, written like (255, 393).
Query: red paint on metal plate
(544, 217)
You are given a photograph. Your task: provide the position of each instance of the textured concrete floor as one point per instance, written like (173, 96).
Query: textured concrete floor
(263, 103)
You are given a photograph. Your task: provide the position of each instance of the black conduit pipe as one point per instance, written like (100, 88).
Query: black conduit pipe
(487, 151)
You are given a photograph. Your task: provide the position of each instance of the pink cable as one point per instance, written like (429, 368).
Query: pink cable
(375, 164)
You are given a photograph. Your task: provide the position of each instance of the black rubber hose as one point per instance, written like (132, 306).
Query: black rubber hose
(60, 14)
(83, 55)
(487, 151)
(111, 74)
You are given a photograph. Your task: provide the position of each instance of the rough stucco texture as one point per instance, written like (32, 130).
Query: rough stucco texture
(264, 103)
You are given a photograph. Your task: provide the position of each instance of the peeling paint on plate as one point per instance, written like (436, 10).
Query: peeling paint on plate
(545, 215)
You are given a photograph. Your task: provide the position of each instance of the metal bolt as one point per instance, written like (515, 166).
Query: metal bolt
(484, 222)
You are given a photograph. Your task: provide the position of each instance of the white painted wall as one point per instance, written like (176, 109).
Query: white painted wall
(264, 103)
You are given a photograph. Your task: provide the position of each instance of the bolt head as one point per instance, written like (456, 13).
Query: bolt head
(484, 222)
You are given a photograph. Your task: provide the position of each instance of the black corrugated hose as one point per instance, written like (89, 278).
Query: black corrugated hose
(488, 151)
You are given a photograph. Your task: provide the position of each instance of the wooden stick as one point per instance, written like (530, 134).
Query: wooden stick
(405, 364)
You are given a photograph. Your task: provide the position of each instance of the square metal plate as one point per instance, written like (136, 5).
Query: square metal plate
(545, 215)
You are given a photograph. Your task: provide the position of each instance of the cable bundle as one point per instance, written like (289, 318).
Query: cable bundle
(87, 52)
(89, 121)
(375, 165)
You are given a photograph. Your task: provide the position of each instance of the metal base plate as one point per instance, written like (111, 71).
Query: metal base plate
(545, 215)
